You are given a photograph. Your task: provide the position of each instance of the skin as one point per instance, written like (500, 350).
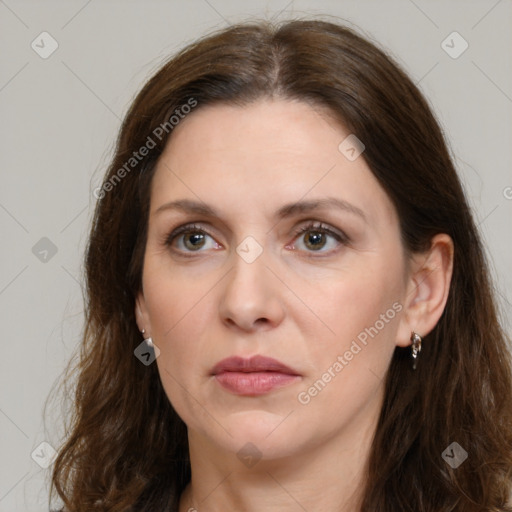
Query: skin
(302, 301)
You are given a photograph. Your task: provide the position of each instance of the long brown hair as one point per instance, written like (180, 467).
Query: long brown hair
(126, 448)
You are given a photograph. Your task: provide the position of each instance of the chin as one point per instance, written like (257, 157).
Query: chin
(270, 436)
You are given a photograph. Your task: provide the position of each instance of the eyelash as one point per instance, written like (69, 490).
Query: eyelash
(340, 237)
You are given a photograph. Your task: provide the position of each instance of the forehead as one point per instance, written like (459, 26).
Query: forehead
(271, 130)
(264, 154)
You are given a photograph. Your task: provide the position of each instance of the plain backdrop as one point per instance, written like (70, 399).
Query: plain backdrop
(60, 116)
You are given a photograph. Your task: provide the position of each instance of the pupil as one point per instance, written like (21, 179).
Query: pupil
(194, 240)
(315, 239)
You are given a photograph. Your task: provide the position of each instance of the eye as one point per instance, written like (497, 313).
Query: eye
(317, 237)
(312, 238)
(191, 238)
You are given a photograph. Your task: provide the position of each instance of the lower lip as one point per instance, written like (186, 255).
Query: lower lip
(255, 383)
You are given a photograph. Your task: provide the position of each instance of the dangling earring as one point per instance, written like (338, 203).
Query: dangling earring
(149, 340)
(415, 348)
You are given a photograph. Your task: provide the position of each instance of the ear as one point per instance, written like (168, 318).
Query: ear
(141, 314)
(428, 286)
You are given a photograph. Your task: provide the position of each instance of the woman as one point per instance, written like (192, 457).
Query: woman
(288, 302)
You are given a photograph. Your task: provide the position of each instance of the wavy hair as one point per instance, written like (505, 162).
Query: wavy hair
(126, 448)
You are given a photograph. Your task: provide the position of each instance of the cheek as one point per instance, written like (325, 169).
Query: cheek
(180, 313)
(173, 297)
(347, 372)
(357, 299)
(363, 308)
(180, 317)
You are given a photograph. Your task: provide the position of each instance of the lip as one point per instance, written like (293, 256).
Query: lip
(252, 364)
(253, 376)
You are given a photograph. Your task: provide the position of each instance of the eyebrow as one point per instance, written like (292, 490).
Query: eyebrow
(288, 210)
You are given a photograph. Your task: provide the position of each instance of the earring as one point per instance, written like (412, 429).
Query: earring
(148, 340)
(415, 348)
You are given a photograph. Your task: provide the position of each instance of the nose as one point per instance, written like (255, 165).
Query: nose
(251, 298)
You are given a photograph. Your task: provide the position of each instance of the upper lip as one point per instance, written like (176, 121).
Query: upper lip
(256, 363)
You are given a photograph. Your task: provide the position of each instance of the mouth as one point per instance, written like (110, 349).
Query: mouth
(254, 376)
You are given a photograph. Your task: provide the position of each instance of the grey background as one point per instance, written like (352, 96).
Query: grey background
(60, 117)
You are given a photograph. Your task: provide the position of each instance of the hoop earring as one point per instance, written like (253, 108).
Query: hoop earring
(415, 348)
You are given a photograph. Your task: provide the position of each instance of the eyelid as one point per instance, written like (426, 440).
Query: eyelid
(184, 228)
(321, 226)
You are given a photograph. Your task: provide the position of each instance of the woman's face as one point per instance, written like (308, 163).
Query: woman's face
(268, 238)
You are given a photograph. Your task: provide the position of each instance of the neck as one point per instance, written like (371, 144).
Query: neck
(329, 476)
